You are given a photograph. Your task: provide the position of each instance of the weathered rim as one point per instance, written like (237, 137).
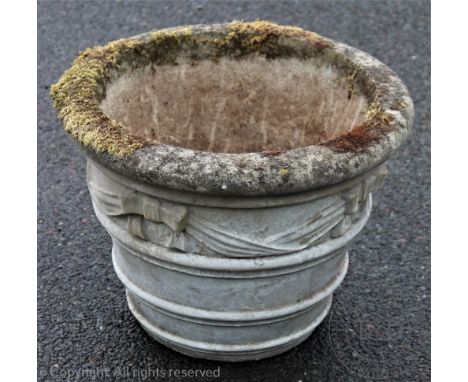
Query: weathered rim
(78, 94)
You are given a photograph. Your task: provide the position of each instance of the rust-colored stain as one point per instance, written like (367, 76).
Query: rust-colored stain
(364, 135)
(271, 153)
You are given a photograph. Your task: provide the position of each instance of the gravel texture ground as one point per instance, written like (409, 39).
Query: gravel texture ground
(379, 325)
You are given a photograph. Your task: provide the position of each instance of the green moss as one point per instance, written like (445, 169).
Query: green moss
(373, 109)
(263, 37)
(78, 94)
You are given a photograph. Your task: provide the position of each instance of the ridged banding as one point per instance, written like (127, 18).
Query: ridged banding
(209, 316)
(213, 350)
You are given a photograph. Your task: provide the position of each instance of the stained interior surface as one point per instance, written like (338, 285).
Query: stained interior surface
(236, 106)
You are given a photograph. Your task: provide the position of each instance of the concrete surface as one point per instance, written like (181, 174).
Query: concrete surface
(379, 325)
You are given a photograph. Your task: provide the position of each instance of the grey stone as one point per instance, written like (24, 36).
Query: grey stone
(223, 261)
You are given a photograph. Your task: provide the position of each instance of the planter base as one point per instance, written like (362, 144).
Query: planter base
(233, 353)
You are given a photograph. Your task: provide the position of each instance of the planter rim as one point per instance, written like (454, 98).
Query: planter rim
(78, 94)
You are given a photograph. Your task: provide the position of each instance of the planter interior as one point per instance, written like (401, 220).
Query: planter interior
(236, 105)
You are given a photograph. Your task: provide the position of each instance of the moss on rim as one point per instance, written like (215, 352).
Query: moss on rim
(262, 36)
(78, 94)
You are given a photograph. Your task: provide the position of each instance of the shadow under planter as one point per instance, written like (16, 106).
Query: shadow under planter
(232, 165)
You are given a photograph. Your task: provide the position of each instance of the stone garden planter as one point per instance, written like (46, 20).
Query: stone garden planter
(232, 165)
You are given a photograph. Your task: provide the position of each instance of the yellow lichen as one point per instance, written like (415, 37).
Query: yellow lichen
(373, 109)
(401, 105)
(284, 171)
(261, 29)
(351, 78)
(177, 33)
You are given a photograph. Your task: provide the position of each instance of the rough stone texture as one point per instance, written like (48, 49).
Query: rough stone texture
(379, 325)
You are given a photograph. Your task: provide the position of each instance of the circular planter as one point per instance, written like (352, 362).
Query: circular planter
(232, 165)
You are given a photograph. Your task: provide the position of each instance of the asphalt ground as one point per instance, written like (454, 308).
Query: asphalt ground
(379, 325)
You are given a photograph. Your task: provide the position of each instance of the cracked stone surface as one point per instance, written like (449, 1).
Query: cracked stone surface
(379, 325)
